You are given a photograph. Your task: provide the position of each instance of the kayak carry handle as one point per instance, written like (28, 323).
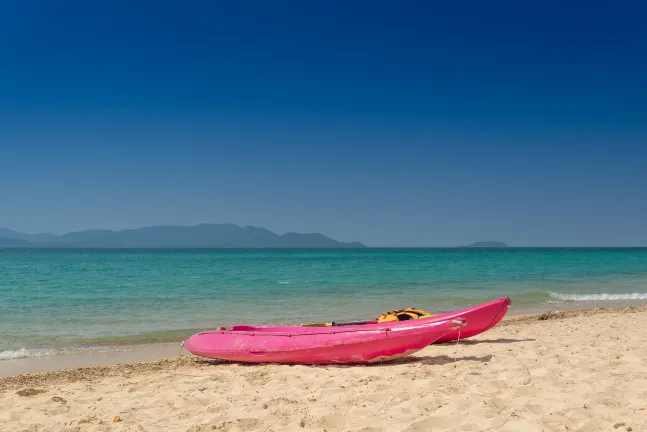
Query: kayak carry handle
(461, 321)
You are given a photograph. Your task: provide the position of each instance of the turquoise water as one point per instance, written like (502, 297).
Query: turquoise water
(57, 299)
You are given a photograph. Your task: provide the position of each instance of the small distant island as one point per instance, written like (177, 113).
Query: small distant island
(489, 244)
(173, 236)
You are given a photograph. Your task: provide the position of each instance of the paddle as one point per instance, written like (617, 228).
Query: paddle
(336, 324)
(413, 313)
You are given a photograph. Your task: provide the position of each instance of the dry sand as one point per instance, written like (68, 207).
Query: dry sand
(583, 371)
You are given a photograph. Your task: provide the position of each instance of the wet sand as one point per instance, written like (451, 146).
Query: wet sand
(127, 354)
(575, 370)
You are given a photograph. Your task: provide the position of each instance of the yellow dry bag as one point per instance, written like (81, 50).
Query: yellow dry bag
(403, 315)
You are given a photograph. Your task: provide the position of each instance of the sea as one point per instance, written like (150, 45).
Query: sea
(64, 301)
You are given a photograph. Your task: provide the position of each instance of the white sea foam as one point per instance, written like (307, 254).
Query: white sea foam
(23, 353)
(598, 297)
(285, 282)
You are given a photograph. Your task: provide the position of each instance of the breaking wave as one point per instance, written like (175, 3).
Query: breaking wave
(598, 297)
(23, 353)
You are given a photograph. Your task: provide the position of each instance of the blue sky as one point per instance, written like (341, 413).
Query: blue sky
(392, 123)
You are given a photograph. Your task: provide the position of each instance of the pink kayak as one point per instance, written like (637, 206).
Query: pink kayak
(479, 319)
(321, 345)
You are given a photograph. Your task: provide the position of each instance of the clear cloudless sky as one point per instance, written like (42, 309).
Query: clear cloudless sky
(394, 123)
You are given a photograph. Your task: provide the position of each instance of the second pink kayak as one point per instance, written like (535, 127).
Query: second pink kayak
(480, 318)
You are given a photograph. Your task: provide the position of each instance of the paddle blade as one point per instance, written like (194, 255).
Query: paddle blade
(318, 325)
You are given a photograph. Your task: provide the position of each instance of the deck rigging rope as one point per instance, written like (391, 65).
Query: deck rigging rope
(457, 341)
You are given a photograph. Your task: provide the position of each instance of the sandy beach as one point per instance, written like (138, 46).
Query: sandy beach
(578, 370)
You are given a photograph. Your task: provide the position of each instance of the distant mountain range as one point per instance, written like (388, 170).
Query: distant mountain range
(9, 242)
(168, 236)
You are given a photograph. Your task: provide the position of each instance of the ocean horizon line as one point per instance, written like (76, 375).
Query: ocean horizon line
(363, 248)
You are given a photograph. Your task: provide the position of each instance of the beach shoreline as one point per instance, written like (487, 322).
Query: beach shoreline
(133, 353)
(127, 342)
(569, 370)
